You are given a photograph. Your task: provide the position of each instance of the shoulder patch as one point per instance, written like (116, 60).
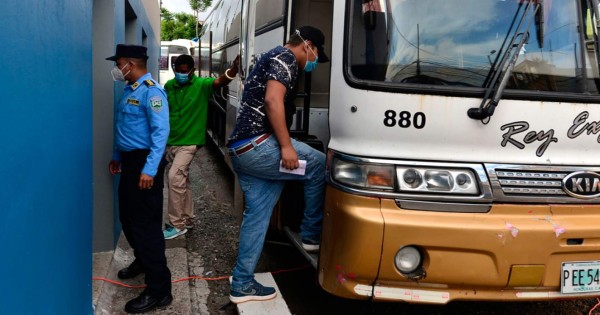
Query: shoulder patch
(156, 103)
(149, 82)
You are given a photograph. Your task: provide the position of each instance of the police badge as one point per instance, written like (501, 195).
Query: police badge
(156, 104)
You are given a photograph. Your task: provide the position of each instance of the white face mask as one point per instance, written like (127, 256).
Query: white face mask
(117, 73)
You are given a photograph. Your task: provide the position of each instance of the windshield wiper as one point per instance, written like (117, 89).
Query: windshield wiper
(508, 59)
(595, 16)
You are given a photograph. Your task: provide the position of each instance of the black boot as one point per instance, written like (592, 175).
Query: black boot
(129, 272)
(145, 303)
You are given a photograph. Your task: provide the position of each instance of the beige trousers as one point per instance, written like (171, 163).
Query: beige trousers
(181, 205)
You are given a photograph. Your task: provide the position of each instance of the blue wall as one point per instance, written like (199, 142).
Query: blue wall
(46, 157)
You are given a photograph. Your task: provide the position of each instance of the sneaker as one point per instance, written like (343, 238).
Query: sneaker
(253, 292)
(171, 232)
(310, 245)
(189, 223)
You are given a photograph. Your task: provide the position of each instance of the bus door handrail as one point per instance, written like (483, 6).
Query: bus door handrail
(306, 104)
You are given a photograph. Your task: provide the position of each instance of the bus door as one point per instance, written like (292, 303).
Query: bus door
(310, 123)
(250, 28)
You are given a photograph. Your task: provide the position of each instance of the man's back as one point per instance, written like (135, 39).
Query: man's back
(277, 64)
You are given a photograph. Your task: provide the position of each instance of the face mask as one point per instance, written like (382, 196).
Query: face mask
(311, 65)
(182, 78)
(117, 73)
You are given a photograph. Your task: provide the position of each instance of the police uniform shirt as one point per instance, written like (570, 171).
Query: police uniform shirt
(142, 121)
(277, 64)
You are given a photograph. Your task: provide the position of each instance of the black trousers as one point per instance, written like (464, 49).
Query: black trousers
(140, 212)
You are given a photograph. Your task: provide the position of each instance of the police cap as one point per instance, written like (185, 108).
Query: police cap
(129, 51)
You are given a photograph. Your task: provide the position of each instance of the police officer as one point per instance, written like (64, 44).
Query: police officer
(141, 132)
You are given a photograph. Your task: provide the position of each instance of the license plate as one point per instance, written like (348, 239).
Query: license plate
(580, 277)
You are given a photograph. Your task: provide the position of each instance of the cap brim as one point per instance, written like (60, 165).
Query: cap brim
(112, 58)
(322, 57)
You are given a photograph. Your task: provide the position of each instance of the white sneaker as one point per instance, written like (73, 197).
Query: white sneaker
(311, 245)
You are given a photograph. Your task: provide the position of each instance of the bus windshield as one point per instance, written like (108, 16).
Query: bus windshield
(459, 43)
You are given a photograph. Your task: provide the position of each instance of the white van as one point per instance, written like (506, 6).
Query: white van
(169, 51)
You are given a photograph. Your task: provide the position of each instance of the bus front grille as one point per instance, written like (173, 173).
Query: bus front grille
(533, 183)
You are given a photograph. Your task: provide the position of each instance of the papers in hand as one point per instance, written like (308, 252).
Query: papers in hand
(299, 171)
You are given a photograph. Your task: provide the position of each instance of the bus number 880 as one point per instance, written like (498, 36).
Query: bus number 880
(404, 119)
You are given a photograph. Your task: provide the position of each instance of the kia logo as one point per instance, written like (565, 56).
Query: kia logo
(582, 185)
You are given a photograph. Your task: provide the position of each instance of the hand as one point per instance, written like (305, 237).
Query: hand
(235, 66)
(289, 158)
(114, 167)
(146, 181)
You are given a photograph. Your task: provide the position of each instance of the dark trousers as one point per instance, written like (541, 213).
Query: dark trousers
(140, 212)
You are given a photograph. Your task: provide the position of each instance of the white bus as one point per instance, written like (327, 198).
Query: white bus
(463, 142)
(169, 51)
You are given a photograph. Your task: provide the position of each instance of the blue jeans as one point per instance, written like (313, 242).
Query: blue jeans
(262, 183)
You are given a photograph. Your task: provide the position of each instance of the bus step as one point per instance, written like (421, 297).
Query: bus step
(313, 258)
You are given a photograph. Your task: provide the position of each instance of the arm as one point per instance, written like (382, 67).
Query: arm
(223, 80)
(157, 111)
(276, 114)
(114, 167)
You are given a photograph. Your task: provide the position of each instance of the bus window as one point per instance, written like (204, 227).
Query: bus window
(268, 12)
(175, 49)
(205, 55)
(164, 57)
(456, 43)
(233, 22)
(219, 24)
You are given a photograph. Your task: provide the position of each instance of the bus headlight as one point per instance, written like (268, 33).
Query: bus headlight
(408, 259)
(412, 178)
(436, 180)
(363, 175)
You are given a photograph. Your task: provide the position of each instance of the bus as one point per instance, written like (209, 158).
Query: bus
(462, 141)
(169, 51)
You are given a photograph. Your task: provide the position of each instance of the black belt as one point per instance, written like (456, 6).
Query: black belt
(249, 146)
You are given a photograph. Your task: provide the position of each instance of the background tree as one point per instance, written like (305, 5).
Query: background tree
(177, 25)
(199, 6)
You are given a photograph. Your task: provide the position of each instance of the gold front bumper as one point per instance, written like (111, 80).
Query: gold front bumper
(513, 252)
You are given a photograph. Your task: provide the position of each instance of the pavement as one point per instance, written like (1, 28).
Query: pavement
(189, 296)
(110, 298)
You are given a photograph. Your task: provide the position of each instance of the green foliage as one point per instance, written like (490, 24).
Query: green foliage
(200, 5)
(177, 25)
(182, 25)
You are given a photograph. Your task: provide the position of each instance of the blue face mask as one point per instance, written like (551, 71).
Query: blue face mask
(310, 66)
(182, 78)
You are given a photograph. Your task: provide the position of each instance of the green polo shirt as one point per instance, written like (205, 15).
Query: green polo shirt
(188, 107)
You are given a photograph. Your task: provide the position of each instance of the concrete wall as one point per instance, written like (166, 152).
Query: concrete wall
(104, 46)
(115, 21)
(46, 161)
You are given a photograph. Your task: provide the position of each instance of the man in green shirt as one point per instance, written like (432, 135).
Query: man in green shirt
(188, 97)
